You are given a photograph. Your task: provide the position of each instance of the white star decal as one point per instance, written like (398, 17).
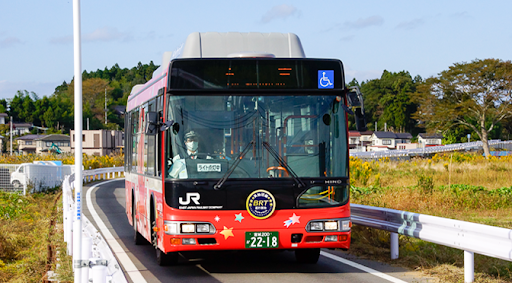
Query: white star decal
(292, 220)
(217, 218)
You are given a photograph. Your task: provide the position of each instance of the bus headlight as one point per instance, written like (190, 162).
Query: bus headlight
(316, 226)
(188, 228)
(331, 225)
(170, 228)
(345, 225)
(203, 228)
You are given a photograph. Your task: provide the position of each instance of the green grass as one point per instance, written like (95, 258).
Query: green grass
(29, 225)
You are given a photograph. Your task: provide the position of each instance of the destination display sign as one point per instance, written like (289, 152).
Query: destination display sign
(263, 74)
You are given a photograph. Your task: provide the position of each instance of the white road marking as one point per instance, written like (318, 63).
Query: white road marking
(123, 258)
(362, 267)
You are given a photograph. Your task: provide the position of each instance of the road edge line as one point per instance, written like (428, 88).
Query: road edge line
(362, 267)
(113, 244)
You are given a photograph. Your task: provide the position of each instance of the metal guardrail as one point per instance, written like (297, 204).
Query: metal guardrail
(102, 263)
(471, 237)
(429, 150)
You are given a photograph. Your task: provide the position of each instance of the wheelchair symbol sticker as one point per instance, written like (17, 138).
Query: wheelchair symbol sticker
(325, 79)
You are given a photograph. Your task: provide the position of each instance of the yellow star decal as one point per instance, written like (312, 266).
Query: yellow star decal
(227, 232)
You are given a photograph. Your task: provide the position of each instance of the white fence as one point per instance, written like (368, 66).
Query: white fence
(471, 237)
(102, 265)
(431, 150)
(32, 177)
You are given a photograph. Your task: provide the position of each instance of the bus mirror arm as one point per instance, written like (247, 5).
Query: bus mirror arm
(166, 125)
(345, 107)
(355, 101)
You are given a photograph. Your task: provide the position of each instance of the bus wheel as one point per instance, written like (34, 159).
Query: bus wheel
(307, 255)
(163, 259)
(137, 237)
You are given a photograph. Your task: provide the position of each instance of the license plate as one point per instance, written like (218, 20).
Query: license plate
(261, 240)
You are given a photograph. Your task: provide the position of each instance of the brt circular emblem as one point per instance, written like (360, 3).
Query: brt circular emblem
(261, 204)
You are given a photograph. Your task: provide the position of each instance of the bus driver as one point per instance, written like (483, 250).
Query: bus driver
(178, 167)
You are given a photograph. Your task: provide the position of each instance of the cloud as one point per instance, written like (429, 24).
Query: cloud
(279, 12)
(62, 40)
(364, 23)
(9, 42)
(104, 34)
(409, 25)
(463, 15)
(347, 38)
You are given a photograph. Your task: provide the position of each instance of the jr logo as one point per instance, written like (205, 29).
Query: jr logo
(190, 196)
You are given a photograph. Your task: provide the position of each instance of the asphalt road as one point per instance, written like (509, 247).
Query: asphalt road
(242, 266)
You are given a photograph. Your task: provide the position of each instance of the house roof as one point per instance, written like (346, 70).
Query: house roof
(403, 136)
(3, 115)
(30, 137)
(366, 133)
(354, 134)
(384, 135)
(22, 125)
(54, 138)
(430, 136)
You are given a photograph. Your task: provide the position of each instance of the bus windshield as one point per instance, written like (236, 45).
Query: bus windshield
(282, 136)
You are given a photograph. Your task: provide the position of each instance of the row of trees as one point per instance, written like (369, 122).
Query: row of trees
(469, 98)
(56, 112)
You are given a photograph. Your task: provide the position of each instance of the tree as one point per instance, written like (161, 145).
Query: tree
(388, 100)
(49, 117)
(477, 95)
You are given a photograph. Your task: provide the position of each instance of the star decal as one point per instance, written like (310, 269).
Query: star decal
(217, 218)
(239, 217)
(227, 232)
(292, 220)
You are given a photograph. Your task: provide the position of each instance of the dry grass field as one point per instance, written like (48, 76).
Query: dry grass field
(459, 186)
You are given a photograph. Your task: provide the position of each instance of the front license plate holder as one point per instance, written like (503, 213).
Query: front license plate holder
(262, 240)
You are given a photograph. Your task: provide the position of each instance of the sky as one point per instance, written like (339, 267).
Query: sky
(421, 37)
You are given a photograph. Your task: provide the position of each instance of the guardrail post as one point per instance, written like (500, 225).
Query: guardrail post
(86, 254)
(98, 268)
(394, 245)
(69, 230)
(469, 266)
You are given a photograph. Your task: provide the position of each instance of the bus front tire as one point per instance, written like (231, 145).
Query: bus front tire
(165, 259)
(307, 255)
(162, 259)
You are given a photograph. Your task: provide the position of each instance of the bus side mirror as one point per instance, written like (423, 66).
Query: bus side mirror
(355, 101)
(360, 121)
(151, 123)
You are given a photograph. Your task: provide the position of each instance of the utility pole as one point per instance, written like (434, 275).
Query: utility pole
(10, 133)
(105, 106)
(77, 224)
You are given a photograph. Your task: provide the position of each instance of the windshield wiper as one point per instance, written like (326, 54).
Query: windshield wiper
(233, 167)
(283, 163)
